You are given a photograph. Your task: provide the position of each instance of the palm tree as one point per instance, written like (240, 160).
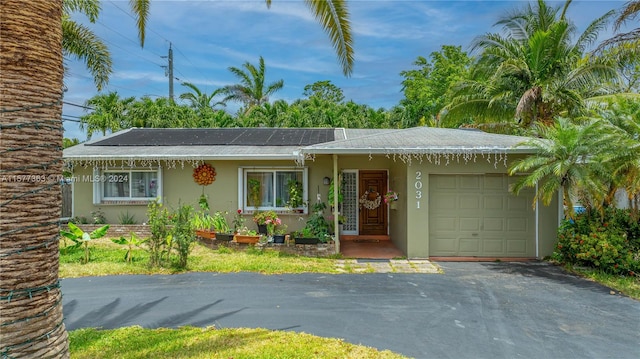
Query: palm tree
(569, 157)
(251, 91)
(533, 72)
(624, 160)
(110, 113)
(629, 12)
(31, 58)
(31, 84)
(199, 100)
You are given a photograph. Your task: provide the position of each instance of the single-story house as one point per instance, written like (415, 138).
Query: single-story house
(452, 184)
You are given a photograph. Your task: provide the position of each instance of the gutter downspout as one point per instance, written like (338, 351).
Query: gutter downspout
(537, 225)
(335, 202)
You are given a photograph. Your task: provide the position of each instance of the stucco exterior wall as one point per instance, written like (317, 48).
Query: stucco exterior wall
(178, 188)
(417, 182)
(408, 220)
(398, 223)
(549, 218)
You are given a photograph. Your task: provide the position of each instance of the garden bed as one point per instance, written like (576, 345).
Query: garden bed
(308, 250)
(119, 230)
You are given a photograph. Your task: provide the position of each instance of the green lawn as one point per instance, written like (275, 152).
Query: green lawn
(190, 342)
(629, 286)
(107, 258)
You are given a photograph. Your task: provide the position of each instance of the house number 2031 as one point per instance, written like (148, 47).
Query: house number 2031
(418, 186)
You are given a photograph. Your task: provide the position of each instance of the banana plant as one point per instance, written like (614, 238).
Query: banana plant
(82, 238)
(130, 243)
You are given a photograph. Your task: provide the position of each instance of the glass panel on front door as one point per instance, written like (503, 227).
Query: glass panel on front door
(350, 201)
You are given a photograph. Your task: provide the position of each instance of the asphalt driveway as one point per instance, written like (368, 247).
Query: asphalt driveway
(473, 310)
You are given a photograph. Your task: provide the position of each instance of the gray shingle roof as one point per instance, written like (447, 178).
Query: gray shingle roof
(421, 140)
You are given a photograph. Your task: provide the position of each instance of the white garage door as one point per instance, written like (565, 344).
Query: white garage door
(476, 215)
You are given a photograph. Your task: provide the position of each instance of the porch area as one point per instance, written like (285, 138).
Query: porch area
(369, 247)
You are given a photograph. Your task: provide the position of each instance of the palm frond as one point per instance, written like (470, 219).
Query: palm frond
(629, 12)
(141, 10)
(333, 16)
(80, 42)
(590, 34)
(90, 8)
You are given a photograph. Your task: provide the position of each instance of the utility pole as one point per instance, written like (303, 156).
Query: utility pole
(169, 71)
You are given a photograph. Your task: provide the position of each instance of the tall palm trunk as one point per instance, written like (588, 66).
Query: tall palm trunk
(30, 163)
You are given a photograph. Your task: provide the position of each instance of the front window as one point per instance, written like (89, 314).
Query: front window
(129, 185)
(279, 189)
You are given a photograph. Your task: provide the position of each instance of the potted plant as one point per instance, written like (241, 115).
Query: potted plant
(305, 236)
(204, 225)
(341, 220)
(238, 221)
(280, 233)
(390, 198)
(223, 231)
(262, 217)
(246, 235)
(294, 189)
(317, 228)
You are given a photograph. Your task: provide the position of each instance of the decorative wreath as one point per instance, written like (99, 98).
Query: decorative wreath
(370, 204)
(204, 174)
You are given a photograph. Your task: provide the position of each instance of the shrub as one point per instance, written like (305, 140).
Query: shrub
(82, 238)
(98, 217)
(126, 218)
(159, 244)
(607, 241)
(132, 241)
(183, 234)
(79, 220)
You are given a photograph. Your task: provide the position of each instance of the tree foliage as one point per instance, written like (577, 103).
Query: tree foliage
(427, 89)
(252, 89)
(534, 70)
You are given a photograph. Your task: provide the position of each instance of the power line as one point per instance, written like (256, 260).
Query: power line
(125, 37)
(76, 105)
(131, 53)
(131, 16)
(192, 64)
(130, 89)
(128, 13)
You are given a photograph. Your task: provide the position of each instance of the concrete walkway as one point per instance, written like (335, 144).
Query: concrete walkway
(387, 266)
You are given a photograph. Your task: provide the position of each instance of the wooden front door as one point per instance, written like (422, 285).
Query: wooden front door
(373, 221)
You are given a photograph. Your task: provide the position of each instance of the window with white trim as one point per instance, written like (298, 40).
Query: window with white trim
(271, 188)
(127, 185)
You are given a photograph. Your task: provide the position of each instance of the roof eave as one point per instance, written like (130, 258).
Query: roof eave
(180, 158)
(443, 150)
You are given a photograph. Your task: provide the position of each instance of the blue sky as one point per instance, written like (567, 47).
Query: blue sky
(208, 37)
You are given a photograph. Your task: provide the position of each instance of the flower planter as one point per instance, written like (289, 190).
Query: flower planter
(246, 239)
(205, 233)
(226, 237)
(278, 238)
(262, 228)
(307, 240)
